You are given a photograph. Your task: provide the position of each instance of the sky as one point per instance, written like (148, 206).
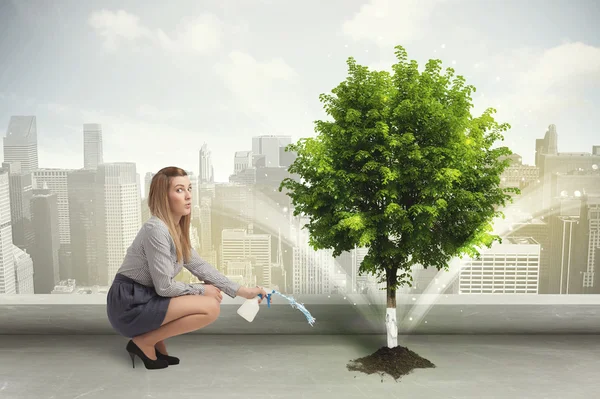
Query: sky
(164, 78)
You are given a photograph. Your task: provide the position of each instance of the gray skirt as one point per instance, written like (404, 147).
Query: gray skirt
(134, 309)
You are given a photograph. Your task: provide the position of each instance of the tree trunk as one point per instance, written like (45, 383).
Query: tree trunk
(391, 324)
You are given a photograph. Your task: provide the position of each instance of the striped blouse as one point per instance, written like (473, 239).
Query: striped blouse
(151, 260)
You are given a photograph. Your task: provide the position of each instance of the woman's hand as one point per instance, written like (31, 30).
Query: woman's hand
(212, 291)
(250, 293)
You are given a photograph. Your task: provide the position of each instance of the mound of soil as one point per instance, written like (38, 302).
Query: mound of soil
(396, 362)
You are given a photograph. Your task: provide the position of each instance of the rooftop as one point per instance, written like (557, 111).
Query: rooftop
(290, 367)
(535, 346)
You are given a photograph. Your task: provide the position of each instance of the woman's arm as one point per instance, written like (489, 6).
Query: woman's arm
(206, 272)
(250, 293)
(157, 247)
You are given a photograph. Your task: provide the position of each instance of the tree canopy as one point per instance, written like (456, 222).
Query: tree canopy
(401, 167)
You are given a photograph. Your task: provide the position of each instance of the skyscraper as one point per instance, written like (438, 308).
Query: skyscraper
(44, 217)
(270, 146)
(508, 268)
(20, 200)
(118, 215)
(82, 219)
(550, 161)
(20, 143)
(7, 261)
(312, 270)
(23, 271)
(205, 215)
(205, 167)
(591, 221)
(238, 244)
(242, 160)
(92, 146)
(147, 183)
(56, 181)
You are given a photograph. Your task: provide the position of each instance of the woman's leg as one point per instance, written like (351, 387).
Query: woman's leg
(161, 346)
(185, 314)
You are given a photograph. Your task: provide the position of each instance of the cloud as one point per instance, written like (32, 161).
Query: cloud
(262, 90)
(251, 80)
(530, 82)
(389, 22)
(534, 87)
(543, 81)
(118, 26)
(566, 63)
(200, 34)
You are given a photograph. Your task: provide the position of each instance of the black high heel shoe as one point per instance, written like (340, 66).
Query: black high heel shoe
(171, 359)
(150, 364)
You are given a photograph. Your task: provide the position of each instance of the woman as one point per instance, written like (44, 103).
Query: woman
(144, 302)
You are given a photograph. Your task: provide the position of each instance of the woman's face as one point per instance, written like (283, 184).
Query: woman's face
(180, 196)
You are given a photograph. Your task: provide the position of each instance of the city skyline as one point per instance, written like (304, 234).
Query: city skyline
(103, 96)
(574, 176)
(207, 75)
(232, 156)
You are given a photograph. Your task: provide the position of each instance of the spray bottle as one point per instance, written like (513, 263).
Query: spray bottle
(250, 307)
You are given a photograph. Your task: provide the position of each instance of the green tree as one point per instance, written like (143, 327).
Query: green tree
(404, 169)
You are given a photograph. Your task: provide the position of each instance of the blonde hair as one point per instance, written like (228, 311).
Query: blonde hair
(158, 202)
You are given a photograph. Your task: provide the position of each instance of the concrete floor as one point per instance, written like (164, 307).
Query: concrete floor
(286, 366)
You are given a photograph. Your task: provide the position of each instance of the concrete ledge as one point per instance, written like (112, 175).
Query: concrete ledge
(355, 314)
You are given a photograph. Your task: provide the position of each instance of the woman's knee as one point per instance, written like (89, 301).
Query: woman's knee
(210, 308)
(214, 310)
(192, 305)
(210, 313)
